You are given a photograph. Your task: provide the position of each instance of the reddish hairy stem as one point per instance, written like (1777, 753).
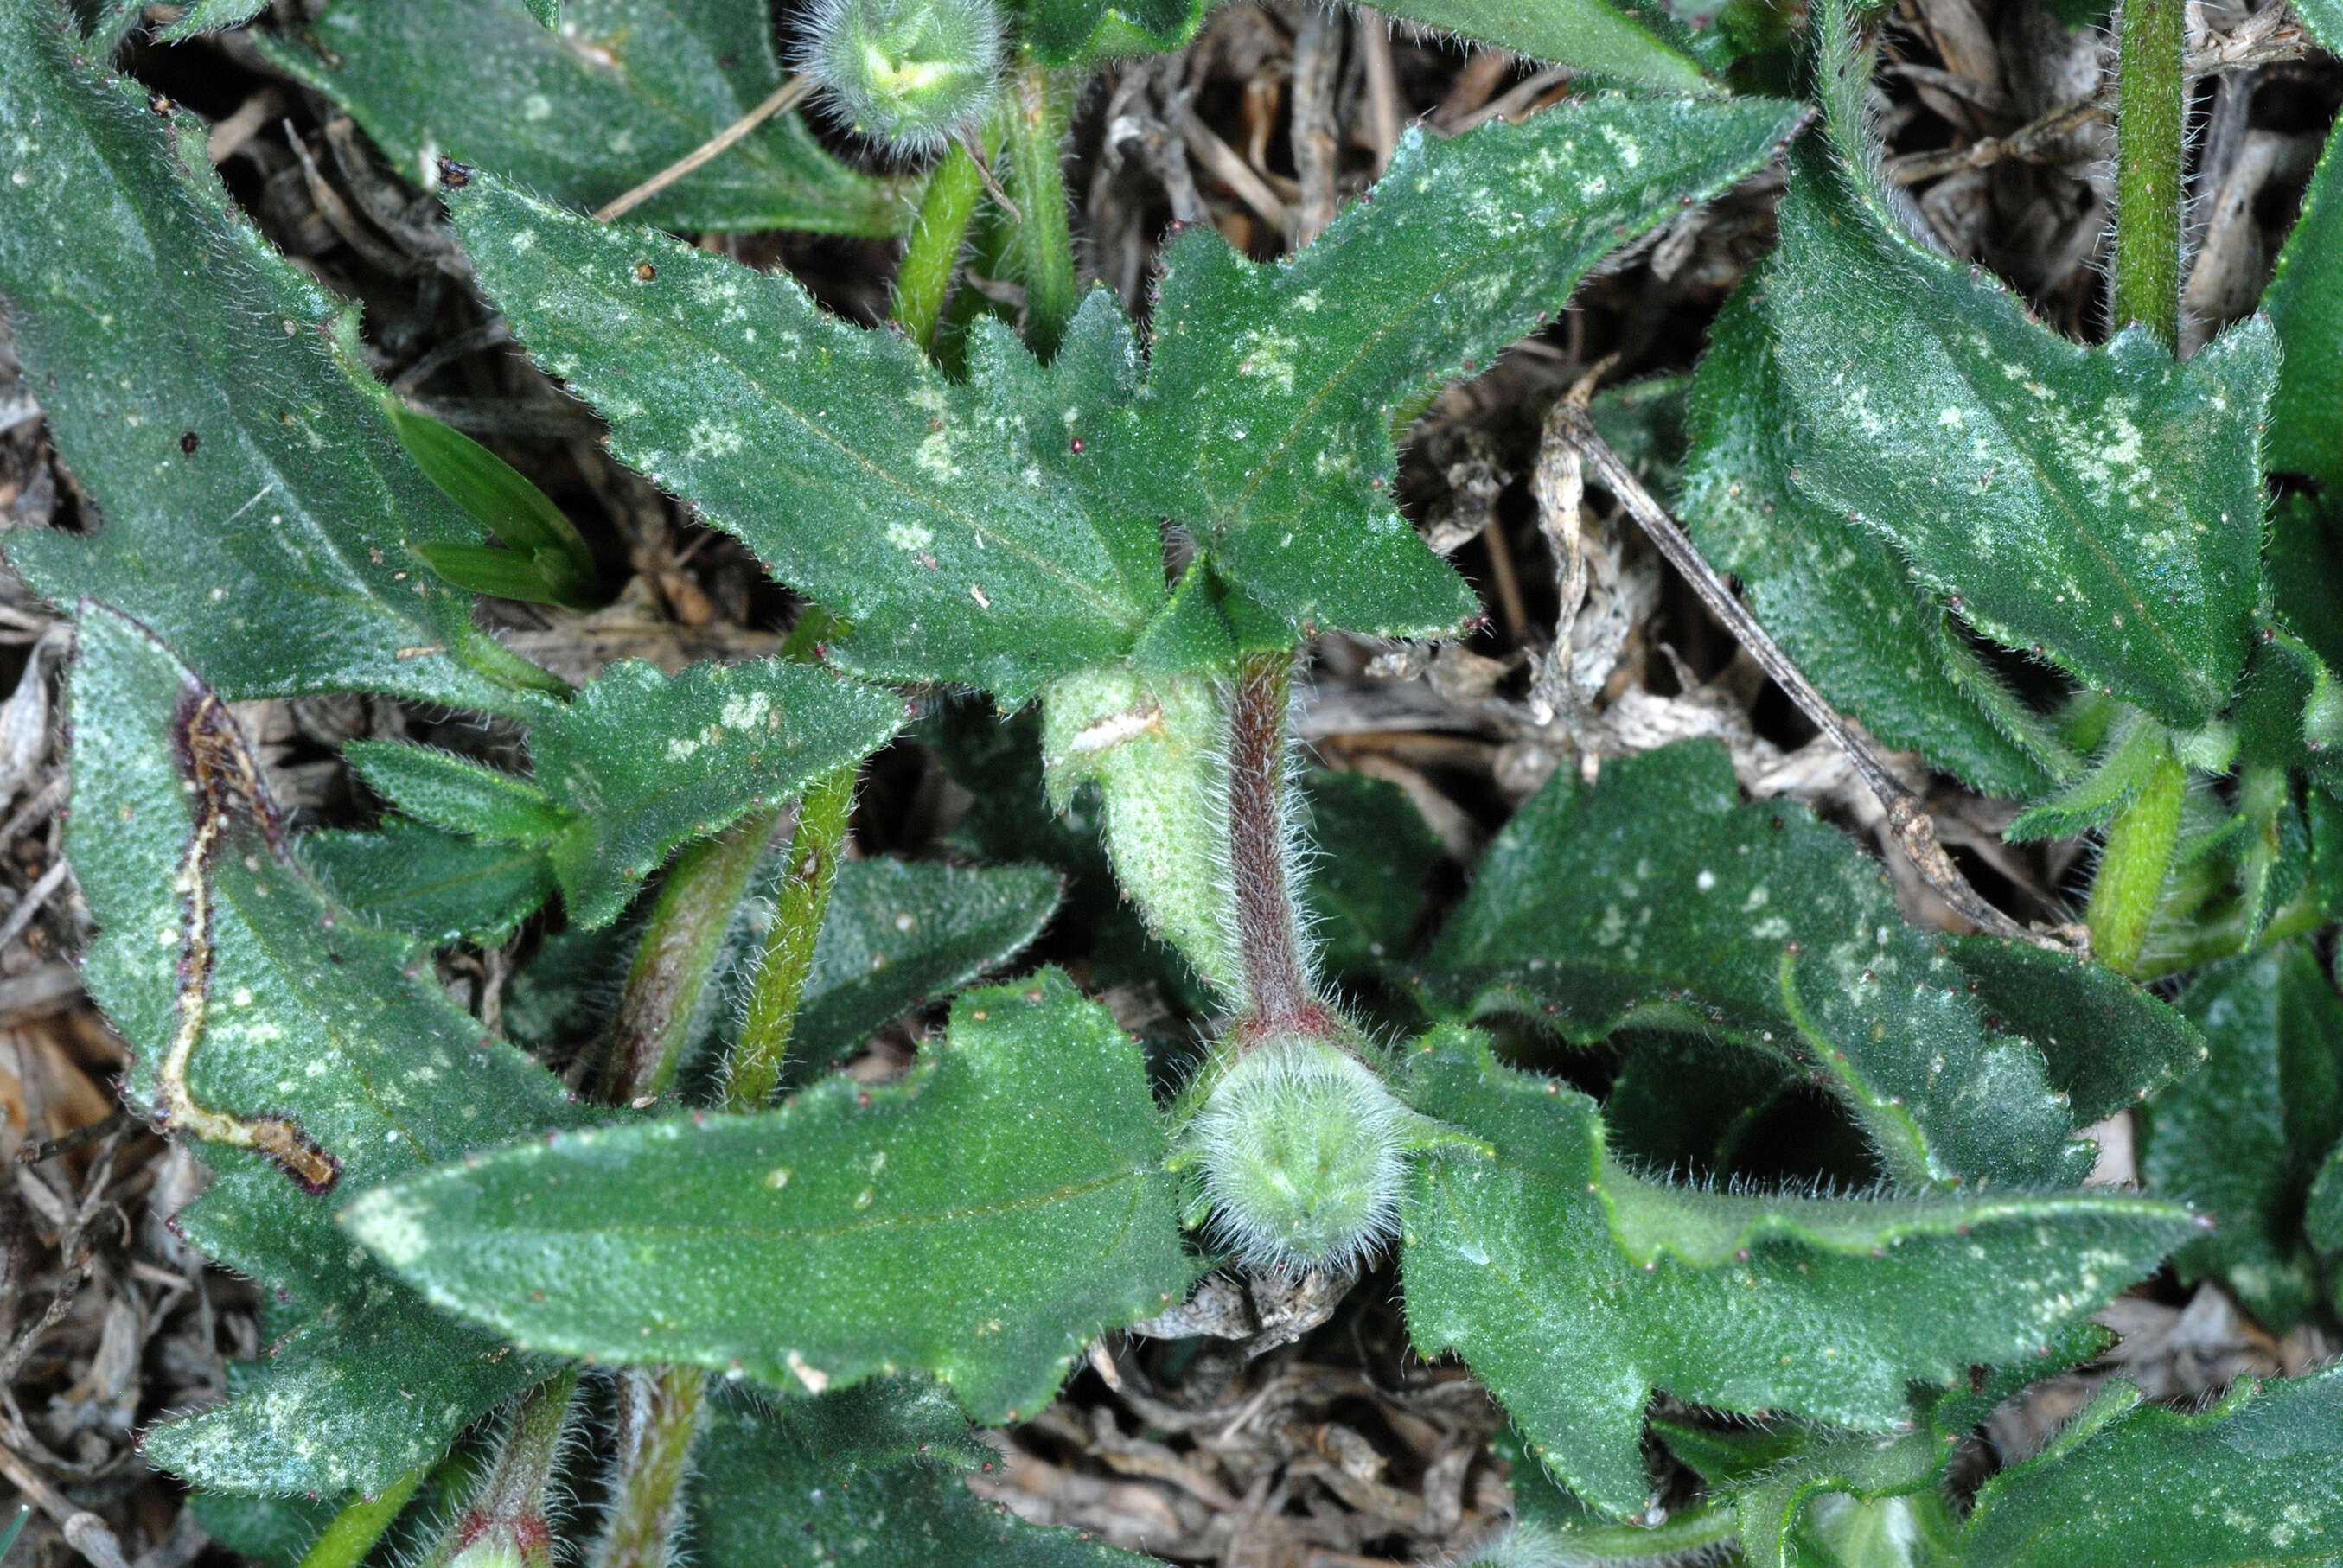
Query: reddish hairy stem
(1279, 998)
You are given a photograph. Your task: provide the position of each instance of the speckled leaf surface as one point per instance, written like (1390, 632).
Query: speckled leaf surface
(2104, 504)
(912, 505)
(1263, 424)
(2305, 304)
(2242, 1136)
(868, 1475)
(1605, 40)
(1657, 896)
(979, 1221)
(636, 763)
(254, 508)
(1838, 600)
(642, 761)
(580, 113)
(2257, 1480)
(2108, 1043)
(442, 886)
(314, 1016)
(1510, 1258)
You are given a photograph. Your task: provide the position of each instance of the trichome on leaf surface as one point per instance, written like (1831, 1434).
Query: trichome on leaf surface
(1134, 908)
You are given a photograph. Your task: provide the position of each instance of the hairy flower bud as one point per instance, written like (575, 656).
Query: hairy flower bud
(907, 72)
(1300, 1144)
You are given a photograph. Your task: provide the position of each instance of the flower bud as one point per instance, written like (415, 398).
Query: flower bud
(907, 72)
(1299, 1143)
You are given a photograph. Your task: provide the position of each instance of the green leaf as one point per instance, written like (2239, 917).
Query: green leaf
(504, 500)
(945, 532)
(322, 1047)
(1838, 600)
(2323, 19)
(1585, 34)
(1081, 32)
(1657, 897)
(275, 1531)
(2134, 749)
(2243, 1136)
(2256, 1480)
(456, 794)
(642, 761)
(207, 17)
(441, 887)
(620, 91)
(2108, 1042)
(254, 508)
(1809, 1495)
(2322, 1216)
(2102, 504)
(981, 1220)
(2305, 304)
(1510, 1258)
(868, 1475)
(1684, 1102)
(1264, 423)
(639, 761)
(1364, 886)
(898, 935)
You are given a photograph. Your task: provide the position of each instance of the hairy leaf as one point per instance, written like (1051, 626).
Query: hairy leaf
(1080, 32)
(304, 1043)
(2108, 1042)
(1624, 44)
(2103, 505)
(623, 89)
(1264, 421)
(2242, 1136)
(979, 1221)
(867, 1475)
(939, 524)
(1510, 1258)
(898, 935)
(2256, 1480)
(254, 508)
(275, 1531)
(1364, 887)
(1840, 600)
(2305, 304)
(1656, 896)
(440, 886)
(1809, 1496)
(642, 761)
(637, 762)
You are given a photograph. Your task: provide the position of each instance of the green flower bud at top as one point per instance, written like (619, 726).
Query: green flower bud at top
(1300, 1144)
(907, 72)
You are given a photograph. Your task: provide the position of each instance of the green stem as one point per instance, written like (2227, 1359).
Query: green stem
(2133, 866)
(505, 1526)
(1041, 112)
(357, 1527)
(772, 1016)
(658, 1416)
(677, 955)
(2151, 110)
(925, 277)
